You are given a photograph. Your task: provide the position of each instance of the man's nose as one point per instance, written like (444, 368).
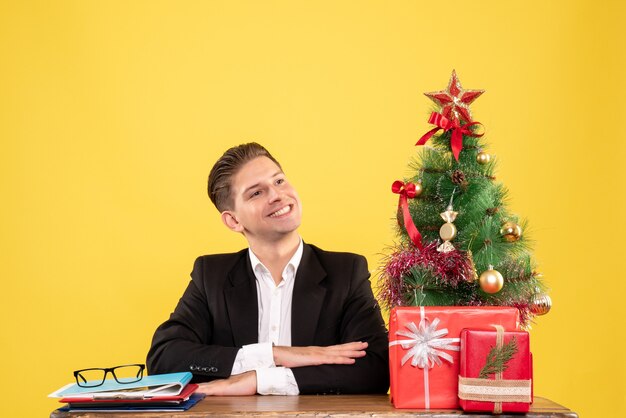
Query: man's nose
(274, 194)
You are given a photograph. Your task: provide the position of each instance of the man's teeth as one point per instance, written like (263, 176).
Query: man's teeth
(284, 210)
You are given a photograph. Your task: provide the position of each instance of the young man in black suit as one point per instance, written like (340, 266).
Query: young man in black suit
(281, 317)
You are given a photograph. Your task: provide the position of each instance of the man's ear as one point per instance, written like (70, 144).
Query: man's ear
(230, 220)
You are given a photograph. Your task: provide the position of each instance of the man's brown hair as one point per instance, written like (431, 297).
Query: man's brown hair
(226, 167)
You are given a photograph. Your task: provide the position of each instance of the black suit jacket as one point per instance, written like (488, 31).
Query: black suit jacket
(332, 304)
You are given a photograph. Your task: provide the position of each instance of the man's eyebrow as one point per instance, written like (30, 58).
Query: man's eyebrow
(279, 172)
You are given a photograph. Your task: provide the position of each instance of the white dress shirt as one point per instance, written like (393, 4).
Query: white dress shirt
(274, 327)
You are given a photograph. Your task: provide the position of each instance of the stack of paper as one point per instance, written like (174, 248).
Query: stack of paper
(159, 392)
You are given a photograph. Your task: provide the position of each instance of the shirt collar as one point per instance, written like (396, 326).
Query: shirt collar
(293, 263)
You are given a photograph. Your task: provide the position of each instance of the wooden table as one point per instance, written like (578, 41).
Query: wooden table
(308, 406)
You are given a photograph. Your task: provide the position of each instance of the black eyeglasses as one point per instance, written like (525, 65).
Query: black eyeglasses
(128, 373)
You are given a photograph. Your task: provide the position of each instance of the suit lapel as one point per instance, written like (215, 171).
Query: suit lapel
(308, 297)
(242, 303)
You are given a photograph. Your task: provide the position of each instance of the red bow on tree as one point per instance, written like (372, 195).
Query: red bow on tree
(458, 130)
(407, 191)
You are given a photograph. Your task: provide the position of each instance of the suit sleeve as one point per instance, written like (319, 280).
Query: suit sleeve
(361, 321)
(183, 342)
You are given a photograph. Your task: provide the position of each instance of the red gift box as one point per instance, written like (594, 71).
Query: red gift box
(507, 391)
(424, 344)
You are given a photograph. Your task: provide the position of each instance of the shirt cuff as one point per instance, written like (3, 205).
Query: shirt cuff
(253, 356)
(276, 381)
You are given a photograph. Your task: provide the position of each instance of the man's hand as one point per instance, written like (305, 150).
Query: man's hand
(238, 385)
(314, 355)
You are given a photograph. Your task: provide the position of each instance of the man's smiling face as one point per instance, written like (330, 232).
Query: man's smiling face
(265, 205)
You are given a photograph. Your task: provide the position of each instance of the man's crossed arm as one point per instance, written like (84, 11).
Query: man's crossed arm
(292, 357)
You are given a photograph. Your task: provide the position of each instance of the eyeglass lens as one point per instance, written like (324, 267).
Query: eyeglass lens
(128, 374)
(122, 374)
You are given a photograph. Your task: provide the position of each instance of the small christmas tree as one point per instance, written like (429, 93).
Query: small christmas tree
(459, 243)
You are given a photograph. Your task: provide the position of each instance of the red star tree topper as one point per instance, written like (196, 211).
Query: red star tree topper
(455, 101)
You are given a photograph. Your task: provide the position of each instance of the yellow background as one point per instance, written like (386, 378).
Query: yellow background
(112, 113)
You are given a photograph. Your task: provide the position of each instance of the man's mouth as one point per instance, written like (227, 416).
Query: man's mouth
(281, 212)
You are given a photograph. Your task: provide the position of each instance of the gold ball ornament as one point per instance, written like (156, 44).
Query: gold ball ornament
(540, 304)
(483, 158)
(418, 188)
(511, 231)
(491, 281)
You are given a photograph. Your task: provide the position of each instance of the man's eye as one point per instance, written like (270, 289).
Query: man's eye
(280, 181)
(257, 193)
